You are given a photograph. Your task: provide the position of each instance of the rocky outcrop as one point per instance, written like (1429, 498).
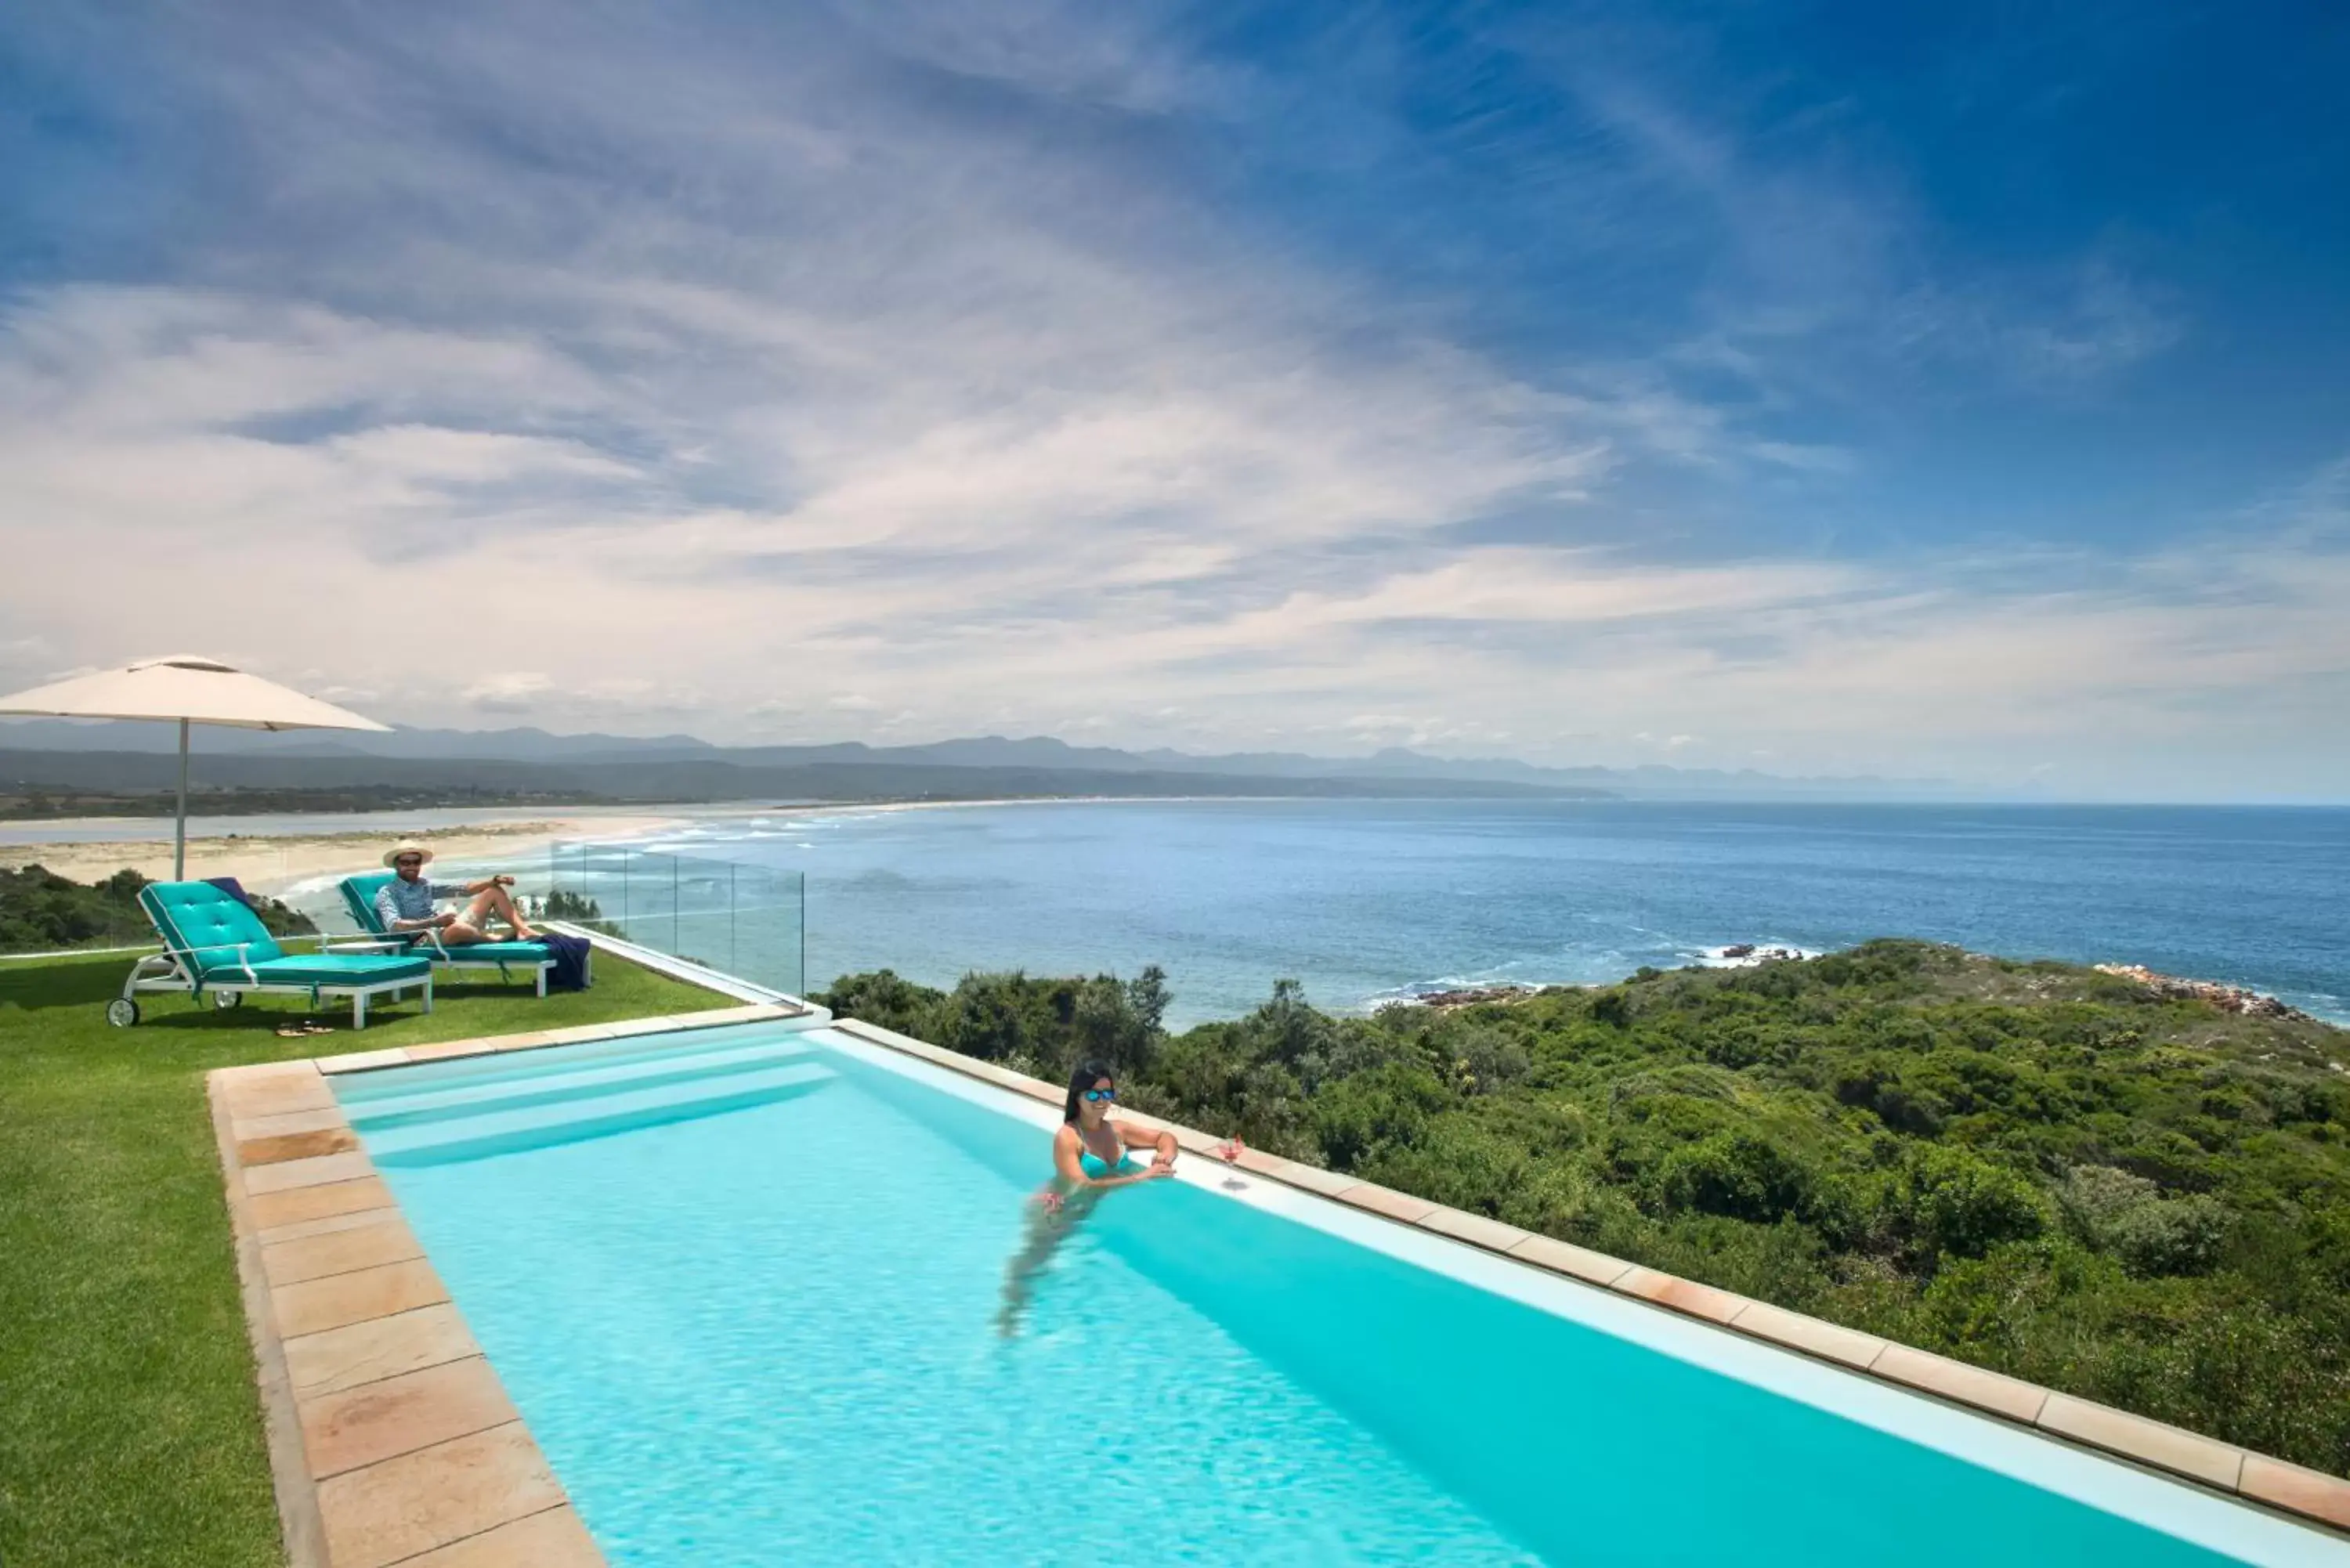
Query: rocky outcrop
(1472, 996)
(2227, 998)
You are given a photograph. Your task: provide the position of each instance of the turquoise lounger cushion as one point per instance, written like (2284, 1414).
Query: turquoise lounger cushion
(329, 971)
(209, 922)
(358, 897)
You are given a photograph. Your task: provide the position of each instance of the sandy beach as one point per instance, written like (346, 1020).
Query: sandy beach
(275, 863)
(272, 864)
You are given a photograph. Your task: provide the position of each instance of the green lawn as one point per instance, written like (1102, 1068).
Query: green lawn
(129, 1428)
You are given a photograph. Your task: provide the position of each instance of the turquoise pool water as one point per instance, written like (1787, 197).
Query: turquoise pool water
(745, 1286)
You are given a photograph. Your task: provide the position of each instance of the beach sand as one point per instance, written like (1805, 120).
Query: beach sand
(275, 864)
(272, 864)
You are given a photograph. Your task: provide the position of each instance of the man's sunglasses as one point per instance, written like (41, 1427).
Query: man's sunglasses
(1101, 1093)
(409, 860)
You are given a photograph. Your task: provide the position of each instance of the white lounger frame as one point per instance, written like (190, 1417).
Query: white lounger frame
(171, 971)
(444, 958)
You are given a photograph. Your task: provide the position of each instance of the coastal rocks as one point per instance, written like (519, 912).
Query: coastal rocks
(2227, 998)
(1472, 996)
(1744, 954)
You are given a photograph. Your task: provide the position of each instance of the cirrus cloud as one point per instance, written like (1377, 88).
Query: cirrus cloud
(928, 370)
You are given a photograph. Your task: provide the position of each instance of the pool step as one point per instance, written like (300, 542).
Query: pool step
(478, 1131)
(358, 1090)
(543, 1086)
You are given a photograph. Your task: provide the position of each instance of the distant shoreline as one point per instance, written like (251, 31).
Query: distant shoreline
(876, 807)
(275, 863)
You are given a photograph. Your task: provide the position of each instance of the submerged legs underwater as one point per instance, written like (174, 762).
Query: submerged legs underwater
(1053, 1215)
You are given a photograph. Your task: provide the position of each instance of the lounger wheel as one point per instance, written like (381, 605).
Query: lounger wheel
(123, 1012)
(225, 1000)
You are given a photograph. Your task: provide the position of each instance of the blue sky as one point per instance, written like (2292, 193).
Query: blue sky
(1956, 392)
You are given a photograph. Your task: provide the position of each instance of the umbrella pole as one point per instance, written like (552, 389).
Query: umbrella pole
(180, 829)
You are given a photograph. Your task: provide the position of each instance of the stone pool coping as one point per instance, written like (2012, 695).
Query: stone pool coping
(392, 1442)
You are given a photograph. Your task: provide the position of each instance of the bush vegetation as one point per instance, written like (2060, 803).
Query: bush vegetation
(576, 908)
(2031, 1166)
(40, 910)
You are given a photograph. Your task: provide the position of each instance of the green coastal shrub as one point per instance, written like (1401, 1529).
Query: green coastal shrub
(1741, 1175)
(883, 997)
(2092, 1197)
(1359, 1117)
(1948, 1202)
(1457, 1161)
(2174, 1236)
(41, 912)
(1489, 1062)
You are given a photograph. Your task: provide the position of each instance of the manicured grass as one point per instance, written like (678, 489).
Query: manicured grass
(130, 1427)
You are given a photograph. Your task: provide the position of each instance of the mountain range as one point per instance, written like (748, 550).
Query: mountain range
(623, 765)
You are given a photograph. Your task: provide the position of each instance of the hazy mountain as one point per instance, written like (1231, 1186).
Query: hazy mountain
(678, 779)
(1037, 753)
(521, 744)
(1394, 763)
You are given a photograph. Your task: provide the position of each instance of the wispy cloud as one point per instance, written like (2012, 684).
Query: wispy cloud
(917, 370)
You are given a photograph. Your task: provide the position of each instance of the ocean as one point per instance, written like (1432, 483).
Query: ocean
(1369, 901)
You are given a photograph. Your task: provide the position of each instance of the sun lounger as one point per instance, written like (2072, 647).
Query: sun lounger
(214, 941)
(534, 959)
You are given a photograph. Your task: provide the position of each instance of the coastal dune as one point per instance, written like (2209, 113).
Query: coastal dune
(276, 864)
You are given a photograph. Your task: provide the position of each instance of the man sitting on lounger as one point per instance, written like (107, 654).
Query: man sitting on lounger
(405, 903)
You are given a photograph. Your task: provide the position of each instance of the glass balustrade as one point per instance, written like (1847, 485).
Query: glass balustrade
(748, 921)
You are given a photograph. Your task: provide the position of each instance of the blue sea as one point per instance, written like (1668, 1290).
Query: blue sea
(1367, 901)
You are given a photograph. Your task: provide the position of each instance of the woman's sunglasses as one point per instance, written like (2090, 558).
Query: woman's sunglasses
(1101, 1093)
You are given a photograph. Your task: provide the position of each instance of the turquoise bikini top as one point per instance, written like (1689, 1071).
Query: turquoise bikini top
(1094, 1165)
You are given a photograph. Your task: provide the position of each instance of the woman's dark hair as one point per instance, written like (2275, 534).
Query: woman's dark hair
(1087, 1074)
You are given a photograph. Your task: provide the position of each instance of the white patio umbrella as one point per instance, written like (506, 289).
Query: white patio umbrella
(193, 691)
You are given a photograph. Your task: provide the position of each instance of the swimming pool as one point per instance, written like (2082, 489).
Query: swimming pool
(744, 1286)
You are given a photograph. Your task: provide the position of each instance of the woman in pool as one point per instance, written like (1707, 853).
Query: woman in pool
(1089, 1157)
(1090, 1150)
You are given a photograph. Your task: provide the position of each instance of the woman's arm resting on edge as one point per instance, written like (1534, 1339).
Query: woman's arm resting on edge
(1161, 1143)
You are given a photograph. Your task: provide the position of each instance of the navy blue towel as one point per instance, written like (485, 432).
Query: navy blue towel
(570, 970)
